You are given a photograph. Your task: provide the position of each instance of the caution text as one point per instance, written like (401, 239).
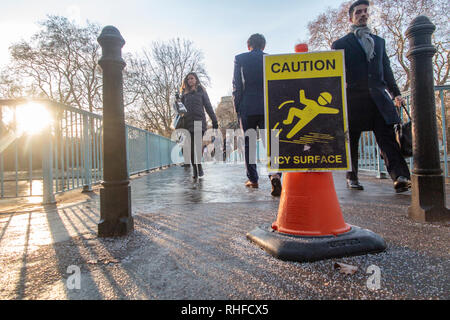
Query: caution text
(304, 66)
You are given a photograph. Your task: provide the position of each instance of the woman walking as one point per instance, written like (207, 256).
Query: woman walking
(196, 100)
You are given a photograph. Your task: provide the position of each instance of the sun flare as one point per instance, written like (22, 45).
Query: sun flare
(32, 118)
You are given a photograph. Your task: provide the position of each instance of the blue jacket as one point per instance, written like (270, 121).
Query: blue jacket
(374, 77)
(248, 83)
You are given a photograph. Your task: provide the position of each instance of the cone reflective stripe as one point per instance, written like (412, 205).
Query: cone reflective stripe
(310, 225)
(309, 206)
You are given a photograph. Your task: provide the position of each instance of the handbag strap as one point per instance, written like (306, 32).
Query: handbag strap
(406, 110)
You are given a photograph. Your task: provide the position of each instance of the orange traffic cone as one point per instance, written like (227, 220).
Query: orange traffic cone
(309, 205)
(310, 225)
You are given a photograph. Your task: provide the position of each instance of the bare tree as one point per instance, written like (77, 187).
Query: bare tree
(60, 62)
(390, 19)
(392, 22)
(328, 27)
(155, 77)
(12, 86)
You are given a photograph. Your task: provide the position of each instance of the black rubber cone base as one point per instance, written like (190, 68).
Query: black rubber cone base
(283, 246)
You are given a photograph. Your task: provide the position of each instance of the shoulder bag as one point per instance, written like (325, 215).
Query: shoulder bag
(403, 135)
(180, 111)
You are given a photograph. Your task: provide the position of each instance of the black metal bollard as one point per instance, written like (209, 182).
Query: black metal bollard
(115, 194)
(428, 183)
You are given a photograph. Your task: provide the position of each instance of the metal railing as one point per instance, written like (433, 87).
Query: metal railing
(370, 159)
(146, 150)
(67, 155)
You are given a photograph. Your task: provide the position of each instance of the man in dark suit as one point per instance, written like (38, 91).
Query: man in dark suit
(248, 98)
(370, 108)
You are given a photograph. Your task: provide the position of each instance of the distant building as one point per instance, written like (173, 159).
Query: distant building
(226, 115)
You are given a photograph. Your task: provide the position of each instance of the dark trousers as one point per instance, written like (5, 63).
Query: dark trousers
(196, 150)
(385, 137)
(252, 122)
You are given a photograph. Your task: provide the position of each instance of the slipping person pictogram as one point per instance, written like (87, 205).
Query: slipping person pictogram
(307, 114)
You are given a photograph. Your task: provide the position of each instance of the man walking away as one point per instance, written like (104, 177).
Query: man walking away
(248, 98)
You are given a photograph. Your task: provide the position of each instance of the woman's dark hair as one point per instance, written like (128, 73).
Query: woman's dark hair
(357, 3)
(185, 87)
(256, 41)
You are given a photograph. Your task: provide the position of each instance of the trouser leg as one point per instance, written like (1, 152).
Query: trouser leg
(196, 157)
(389, 149)
(260, 123)
(250, 163)
(193, 158)
(354, 146)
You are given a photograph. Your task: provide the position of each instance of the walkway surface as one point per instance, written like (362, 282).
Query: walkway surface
(190, 242)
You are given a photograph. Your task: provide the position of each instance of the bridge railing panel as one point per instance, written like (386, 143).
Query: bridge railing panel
(369, 155)
(68, 155)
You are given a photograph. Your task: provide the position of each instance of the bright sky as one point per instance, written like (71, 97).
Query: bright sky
(220, 29)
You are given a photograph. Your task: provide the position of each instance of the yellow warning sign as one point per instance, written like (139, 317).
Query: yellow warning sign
(304, 65)
(306, 112)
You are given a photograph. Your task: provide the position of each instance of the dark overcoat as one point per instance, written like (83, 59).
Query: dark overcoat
(368, 79)
(196, 102)
(248, 83)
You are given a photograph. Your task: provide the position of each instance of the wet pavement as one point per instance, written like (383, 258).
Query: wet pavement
(189, 242)
(221, 184)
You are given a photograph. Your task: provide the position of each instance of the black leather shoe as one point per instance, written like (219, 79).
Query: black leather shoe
(276, 186)
(401, 184)
(354, 184)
